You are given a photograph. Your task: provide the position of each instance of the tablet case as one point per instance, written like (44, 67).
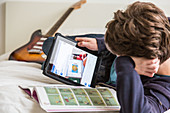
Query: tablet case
(47, 72)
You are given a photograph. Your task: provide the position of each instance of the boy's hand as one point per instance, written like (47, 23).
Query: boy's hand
(90, 43)
(147, 67)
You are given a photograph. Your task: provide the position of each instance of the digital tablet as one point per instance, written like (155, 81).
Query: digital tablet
(69, 64)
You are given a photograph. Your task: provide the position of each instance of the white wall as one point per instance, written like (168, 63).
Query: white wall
(163, 4)
(2, 27)
(23, 18)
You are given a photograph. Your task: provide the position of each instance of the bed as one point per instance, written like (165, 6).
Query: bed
(13, 74)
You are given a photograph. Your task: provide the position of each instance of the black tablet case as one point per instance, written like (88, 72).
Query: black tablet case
(46, 70)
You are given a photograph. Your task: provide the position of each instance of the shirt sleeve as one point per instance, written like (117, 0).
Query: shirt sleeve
(101, 44)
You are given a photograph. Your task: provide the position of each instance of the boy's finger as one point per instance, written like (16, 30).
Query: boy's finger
(83, 44)
(153, 68)
(153, 61)
(149, 74)
(82, 39)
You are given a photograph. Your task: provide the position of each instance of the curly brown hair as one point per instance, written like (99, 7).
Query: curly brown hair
(142, 30)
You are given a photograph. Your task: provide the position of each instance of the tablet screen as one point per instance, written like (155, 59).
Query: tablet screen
(72, 63)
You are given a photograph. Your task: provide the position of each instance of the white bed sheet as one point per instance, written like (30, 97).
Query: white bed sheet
(14, 73)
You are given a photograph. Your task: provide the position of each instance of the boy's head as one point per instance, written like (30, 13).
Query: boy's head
(142, 30)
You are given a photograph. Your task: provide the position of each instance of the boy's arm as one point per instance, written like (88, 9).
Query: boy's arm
(130, 90)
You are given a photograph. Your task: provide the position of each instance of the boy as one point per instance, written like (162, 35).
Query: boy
(141, 31)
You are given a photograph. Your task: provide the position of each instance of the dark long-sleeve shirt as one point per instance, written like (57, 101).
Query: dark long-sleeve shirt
(140, 91)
